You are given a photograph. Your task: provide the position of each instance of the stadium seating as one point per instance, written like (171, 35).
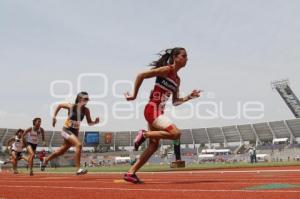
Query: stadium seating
(186, 136)
(247, 132)
(10, 133)
(294, 125)
(263, 132)
(200, 136)
(123, 138)
(48, 136)
(2, 133)
(56, 139)
(280, 129)
(231, 134)
(215, 135)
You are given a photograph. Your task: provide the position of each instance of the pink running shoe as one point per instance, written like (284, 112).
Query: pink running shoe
(129, 177)
(139, 139)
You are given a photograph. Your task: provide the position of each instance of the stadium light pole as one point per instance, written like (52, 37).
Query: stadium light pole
(287, 94)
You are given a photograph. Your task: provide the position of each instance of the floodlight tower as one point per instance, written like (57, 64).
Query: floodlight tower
(289, 97)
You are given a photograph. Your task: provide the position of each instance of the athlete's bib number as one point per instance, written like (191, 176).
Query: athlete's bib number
(75, 124)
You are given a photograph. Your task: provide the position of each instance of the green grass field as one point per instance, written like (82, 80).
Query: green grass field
(165, 167)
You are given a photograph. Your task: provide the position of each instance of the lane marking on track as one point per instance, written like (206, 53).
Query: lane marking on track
(160, 181)
(119, 181)
(229, 171)
(147, 181)
(187, 172)
(153, 190)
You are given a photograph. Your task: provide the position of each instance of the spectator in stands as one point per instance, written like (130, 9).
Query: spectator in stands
(70, 131)
(167, 83)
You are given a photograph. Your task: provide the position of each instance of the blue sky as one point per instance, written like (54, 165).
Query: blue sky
(235, 48)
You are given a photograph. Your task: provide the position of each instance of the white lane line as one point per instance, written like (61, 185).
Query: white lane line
(147, 181)
(229, 171)
(187, 172)
(153, 190)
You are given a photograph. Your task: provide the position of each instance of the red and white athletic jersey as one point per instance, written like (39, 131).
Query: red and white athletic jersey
(163, 89)
(33, 136)
(17, 146)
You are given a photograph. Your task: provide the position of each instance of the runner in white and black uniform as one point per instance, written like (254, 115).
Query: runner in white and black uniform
(70, 131)
(166, 85)
(15, 146)
(33, 134)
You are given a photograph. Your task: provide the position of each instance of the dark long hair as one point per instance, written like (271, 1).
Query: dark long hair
(36, 119)
(19, 131)
(166, 57)
(80, 95)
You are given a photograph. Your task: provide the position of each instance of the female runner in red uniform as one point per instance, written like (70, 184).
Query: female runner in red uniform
(167, 84)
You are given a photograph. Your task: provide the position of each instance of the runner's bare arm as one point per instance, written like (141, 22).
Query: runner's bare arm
(25, 133)
(89, 119)
(161, 71)
(178, 101)
(67, 106)
(9, 141)
(43, 137)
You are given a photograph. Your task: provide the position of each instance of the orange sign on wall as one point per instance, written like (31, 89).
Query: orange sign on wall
(108, 138)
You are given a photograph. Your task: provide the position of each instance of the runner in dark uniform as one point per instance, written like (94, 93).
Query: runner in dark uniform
(70, 131)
